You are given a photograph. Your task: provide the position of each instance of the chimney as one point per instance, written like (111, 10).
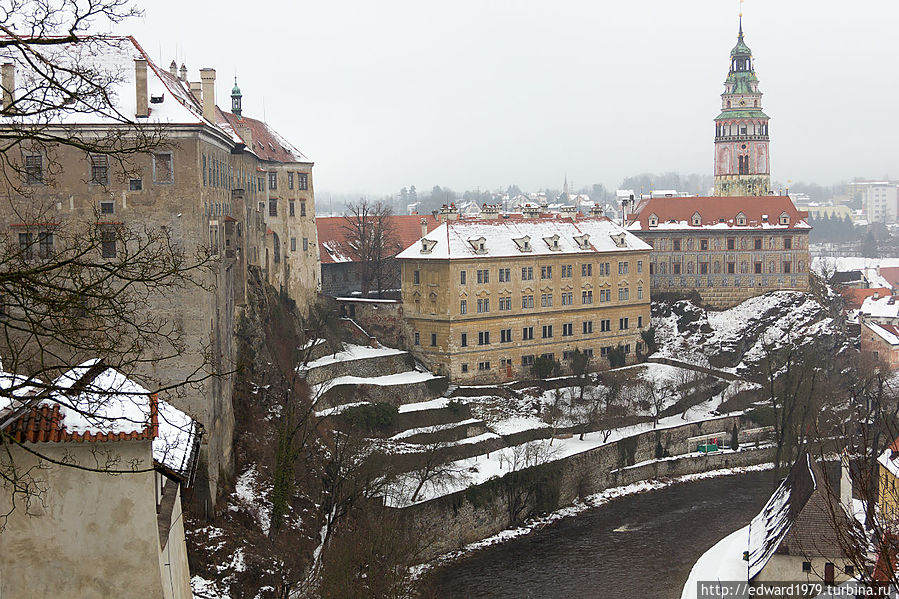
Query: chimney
(845, 483)
(183, 73)
(9, 85)
(424, 227)
(207, 77)
(196, 88)
(597, 210)
(489, 211)
(140, 87)
(449, 213)
(173, 69)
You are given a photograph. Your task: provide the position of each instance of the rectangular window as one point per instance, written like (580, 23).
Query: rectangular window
(639, 266)
(483, 365)
(464, 340)
(676, 244)
(273, 181)
(757, 243)
(44, 244)
(163, 171)
(293, 244)
(567, 330)
(622, 267)
(788, 266)
(731, 243)
(107, 207)
(605, 325)
(567, 298)
(416, 277)
(587, 297)
(586, 270)
(788, 243)
(527, 273)
(639, 322)
(605, 296)
(587, 327)
(703, 244)
(547, 331)
(25, 246)
(505, 275)
(623, 324)
(546, 300)
(675, 268)
(483, 306)
(99, 169)
(527, 333)
(703, 268)
(757, 268)
(305, 244)
(292, 208)
(505, 336)
(527, 301)
(302, 181)
(546, 272)
(462, 277)
(433, 339)
(34, 169)
(290, 182)
(639, 293)
(273, 207)
(484, 338)
(260, 184)
(417, 338)
(107, 243)
(731, 268)
(566, 271)
(505, 304)
(483, 276)
(623, 294)
(302, 207)
(463, 306)
(527, 360)
(135, 184)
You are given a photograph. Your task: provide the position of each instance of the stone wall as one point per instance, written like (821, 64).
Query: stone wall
(366, 367)
(452, 521)
(394, 394)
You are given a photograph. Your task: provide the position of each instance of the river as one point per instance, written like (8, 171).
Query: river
(637, 547)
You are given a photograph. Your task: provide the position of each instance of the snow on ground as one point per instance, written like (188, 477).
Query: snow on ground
(434, 428)
(516, 424)
(498, 463)
(353, 352)
(724, 562)
(434, 404)
(401, 378)
(249, 496)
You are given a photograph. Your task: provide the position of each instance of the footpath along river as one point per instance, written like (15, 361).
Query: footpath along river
(636, 547)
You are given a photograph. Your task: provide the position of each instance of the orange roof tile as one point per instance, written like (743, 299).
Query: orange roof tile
(891, 274)
(334, 246)
(719, 211)
(856, 297)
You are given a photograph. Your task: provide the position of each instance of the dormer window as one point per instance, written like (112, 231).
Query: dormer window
(523, 243)
(741, 219)
(553, 242)
(696, 220)
(479, 245)
(618, 240)
(582, 241)
(785, 219)
(764, 218)
(653, 220)
(427, 245)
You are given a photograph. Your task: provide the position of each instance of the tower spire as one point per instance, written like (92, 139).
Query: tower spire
(741, 20)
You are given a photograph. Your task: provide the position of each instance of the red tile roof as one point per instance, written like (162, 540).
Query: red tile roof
(332, 235)
(856, 297)
(43, 422)
(266, 143)
(719, 211)
(891, 274)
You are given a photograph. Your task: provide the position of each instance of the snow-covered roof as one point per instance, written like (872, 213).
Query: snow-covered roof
(94, 403)
(889, 459)
(888, 332)
(717, 213)
(770, 527)
(880, 307)
(508, 237)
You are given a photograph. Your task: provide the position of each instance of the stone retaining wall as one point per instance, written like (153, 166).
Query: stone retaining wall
(398, 395)
(363, 367)
(453, 521)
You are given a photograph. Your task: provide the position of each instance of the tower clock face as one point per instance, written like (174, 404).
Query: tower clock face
(743, 147)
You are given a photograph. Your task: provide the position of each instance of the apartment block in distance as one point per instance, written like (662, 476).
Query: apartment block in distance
(486, 297)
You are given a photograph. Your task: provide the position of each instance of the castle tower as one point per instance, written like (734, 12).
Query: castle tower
(236, 98)
(742, 161)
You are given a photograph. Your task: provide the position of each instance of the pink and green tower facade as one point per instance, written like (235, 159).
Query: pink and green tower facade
(742, 160)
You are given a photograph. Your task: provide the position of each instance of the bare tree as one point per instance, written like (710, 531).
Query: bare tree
(372, 238)
(434, 468)
(526, 480)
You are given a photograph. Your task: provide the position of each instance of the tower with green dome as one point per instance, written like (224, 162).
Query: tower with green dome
(742, 161)
(236, 98)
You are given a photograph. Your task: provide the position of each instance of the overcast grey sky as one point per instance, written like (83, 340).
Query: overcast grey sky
(465, 93)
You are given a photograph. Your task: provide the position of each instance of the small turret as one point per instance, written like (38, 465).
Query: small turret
(236, 98)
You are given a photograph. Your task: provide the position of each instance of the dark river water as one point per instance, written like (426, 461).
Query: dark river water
(637, 547)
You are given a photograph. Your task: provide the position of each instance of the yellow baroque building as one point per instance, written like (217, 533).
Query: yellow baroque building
(485, 298)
